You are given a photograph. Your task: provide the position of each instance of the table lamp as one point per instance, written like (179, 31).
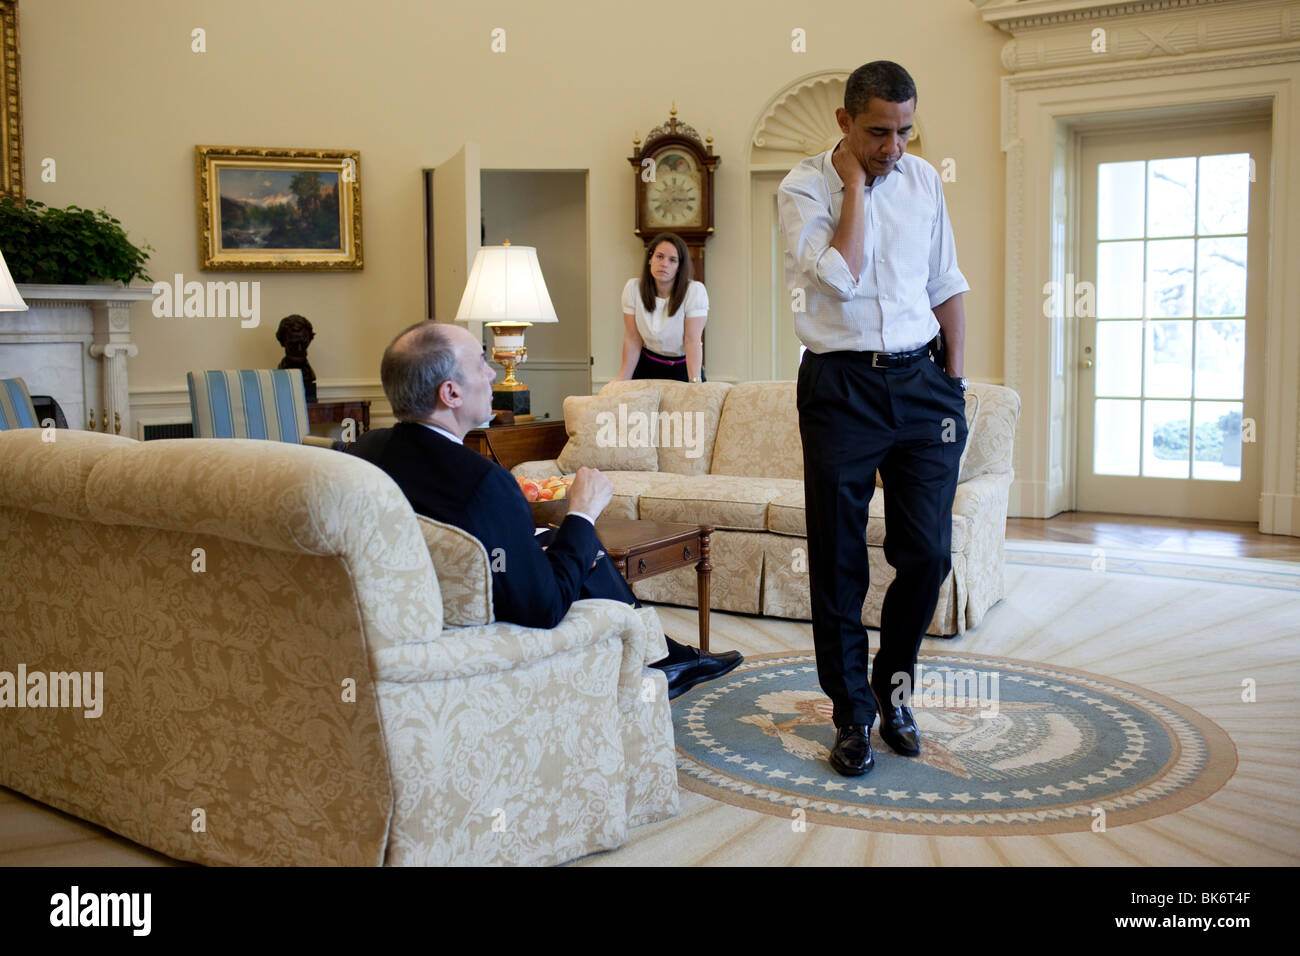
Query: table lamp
(10, 300)
(506, 290)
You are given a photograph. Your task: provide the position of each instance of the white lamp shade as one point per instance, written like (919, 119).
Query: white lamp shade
(506, 285)
(10, 300)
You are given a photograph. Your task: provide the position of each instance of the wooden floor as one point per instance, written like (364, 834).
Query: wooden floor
(32, 834)
(1225, 539)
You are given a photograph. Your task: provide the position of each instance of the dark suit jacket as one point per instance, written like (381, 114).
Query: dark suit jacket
(450, 483)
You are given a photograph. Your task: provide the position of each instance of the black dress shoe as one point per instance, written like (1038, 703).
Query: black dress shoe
(898, 729)
(696, 668)
(851, 756)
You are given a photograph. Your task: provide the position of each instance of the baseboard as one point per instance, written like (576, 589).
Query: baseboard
(1033, 499)
(1279, 514)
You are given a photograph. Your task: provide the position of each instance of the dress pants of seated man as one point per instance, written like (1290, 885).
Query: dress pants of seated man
(605, 581)
(910, 423)
(602, 581)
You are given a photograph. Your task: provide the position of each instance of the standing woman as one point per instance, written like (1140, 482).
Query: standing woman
(663, 316)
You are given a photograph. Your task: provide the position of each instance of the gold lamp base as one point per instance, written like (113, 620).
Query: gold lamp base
(508, 361)
(508, 350)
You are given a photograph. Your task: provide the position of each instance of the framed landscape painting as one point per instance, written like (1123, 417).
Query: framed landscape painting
(284, 209)
(11, 104)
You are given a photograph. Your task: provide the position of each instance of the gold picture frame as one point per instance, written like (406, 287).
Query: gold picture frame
(285, 210)
(11, 104)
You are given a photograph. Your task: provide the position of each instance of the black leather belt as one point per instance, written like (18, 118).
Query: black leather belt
(896, 359)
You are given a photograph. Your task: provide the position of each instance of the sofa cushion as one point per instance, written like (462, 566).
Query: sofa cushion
(988, 449)
(689, 413)
(973, 405)
(759, 432)
(727, 502)
(785, 515)
(628, 488)
(464, 575)
(611, 431)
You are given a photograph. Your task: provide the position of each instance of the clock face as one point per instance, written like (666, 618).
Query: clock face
(675, 198)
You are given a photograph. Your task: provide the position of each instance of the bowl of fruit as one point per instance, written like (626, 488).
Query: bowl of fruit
(549, 498)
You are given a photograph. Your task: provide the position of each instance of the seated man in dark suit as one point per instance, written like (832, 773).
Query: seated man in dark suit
(438, 380)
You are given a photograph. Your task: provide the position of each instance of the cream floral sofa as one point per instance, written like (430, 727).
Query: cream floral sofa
(730, 456)
(286, 680)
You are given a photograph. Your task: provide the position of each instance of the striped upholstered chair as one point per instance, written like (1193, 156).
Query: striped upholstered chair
(16, 410)
(251, 403)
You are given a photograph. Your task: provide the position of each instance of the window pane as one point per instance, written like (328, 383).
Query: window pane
(1120, 202)
(1218, 441)
(1220, 358)
(1119, 280)
(1119, 359)
(1165, 440)
(1169, 278)
(1169, 360)
(1117, 436)
(1221, 276)
(1225, 193)
(1171, 197)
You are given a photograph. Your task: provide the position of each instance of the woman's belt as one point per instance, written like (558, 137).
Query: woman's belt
(663, 359)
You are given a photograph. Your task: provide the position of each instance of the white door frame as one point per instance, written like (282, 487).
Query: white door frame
(1043, 115)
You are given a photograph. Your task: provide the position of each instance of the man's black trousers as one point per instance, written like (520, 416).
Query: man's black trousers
(910, 423)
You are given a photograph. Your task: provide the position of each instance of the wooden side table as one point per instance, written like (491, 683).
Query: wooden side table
(508, 445)
(321, 413)
(642, 549)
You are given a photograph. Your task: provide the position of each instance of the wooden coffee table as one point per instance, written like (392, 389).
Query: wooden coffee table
(642, 549)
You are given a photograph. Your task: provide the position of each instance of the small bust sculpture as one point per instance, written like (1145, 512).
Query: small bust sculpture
(295, 334)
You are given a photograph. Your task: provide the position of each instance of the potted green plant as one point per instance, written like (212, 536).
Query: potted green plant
(71, 246)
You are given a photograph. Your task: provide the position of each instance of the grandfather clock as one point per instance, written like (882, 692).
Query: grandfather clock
(674, 186)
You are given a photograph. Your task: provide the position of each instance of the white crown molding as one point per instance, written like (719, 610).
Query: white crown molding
(1017, 16)
(1158, 30)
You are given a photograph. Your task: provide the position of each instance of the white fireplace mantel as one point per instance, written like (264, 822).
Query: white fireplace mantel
(73, 343)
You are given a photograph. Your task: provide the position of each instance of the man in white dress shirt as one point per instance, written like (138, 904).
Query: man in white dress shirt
(869, 254)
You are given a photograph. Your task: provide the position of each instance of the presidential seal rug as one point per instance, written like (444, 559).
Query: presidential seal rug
(1008, 747)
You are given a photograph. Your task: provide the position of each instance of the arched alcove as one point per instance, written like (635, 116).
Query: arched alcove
(799, 122)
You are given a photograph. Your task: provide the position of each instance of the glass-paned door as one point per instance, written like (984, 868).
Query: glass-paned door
(1169, 304)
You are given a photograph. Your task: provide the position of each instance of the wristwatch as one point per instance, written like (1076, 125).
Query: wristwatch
(965, 385)
(696, 379)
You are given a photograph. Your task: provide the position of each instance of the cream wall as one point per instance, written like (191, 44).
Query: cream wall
(114, 94)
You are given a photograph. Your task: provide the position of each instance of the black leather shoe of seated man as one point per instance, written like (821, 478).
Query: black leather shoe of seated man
(851, 756)
(686, 666)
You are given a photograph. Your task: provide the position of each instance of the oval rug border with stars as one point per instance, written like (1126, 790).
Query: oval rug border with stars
(1199, 758)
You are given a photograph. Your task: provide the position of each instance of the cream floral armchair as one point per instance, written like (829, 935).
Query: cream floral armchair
(286, 680)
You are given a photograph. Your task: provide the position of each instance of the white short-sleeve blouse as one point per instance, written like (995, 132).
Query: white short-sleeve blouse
(664, 333)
